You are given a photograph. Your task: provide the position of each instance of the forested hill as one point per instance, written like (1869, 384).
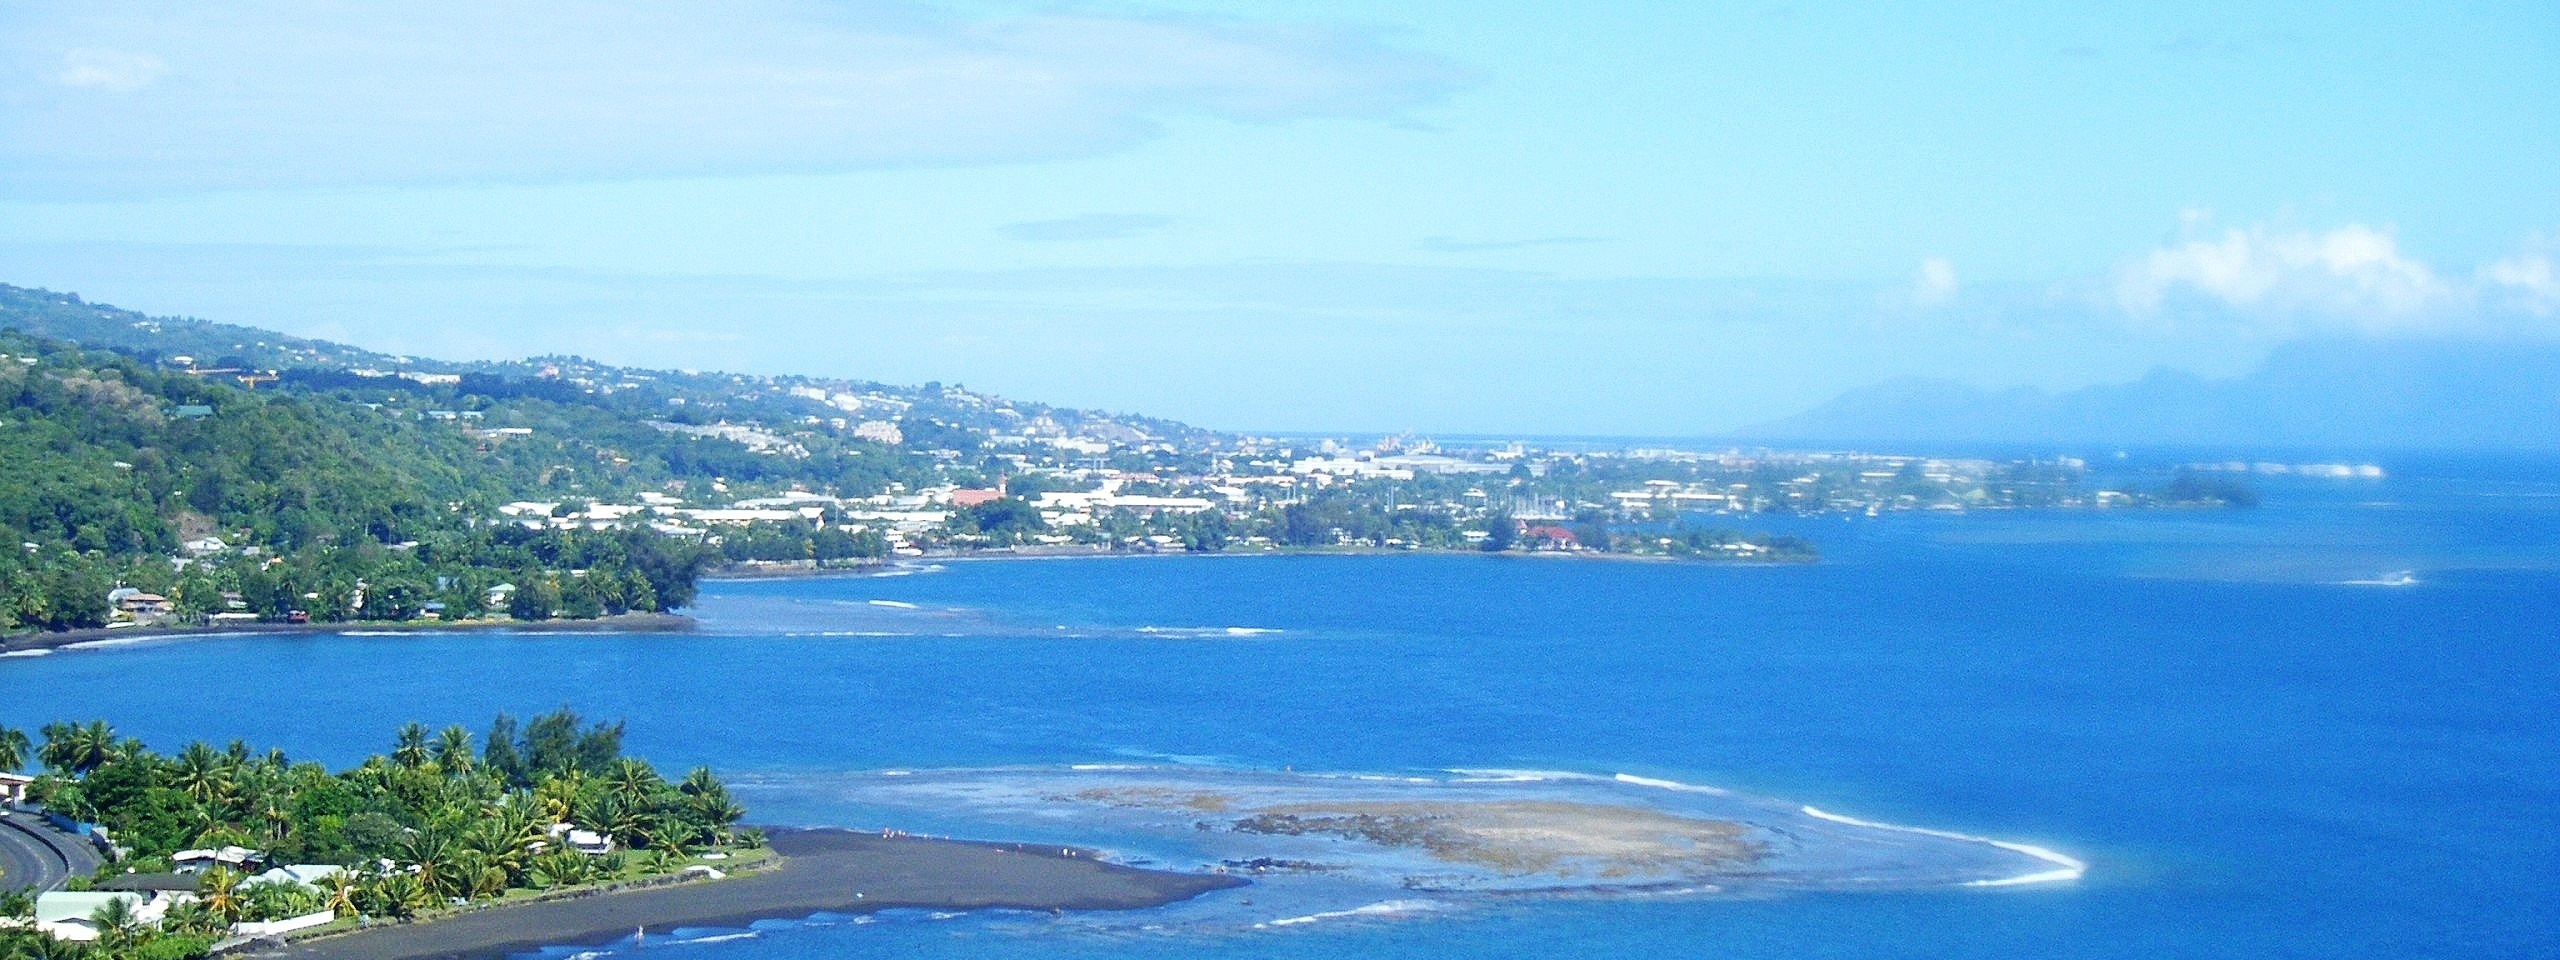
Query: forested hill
(109, 467)
(238, 471)
(927, 411)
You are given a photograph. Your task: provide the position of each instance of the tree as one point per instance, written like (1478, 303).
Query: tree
(409, 747)
(534, 599)
(205, 776)
(397, 599)
(1500, 532)
(452, 751)
(342, 891)
(117, 923)
(219, 890)
(13, 748)
(76, 749)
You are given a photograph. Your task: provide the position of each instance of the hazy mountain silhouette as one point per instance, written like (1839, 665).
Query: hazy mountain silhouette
(2330, 393)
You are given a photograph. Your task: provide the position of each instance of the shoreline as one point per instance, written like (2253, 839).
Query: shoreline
(618, 623)
(876, 568)
(822, 871)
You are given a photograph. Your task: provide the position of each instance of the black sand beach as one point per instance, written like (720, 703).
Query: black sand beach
(617, 623)
(831, 871)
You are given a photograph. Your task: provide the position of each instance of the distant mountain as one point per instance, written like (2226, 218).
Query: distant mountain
(2332, 393)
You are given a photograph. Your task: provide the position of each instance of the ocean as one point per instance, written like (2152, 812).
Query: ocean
(2326, 727)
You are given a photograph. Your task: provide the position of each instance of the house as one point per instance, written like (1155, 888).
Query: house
(973, 498)
(1559, 536)
(137, 604)
(65, 915)
(151, 884)
(584, 841)
(201, 546)
(13, 788)
(311, 875)
(237, 859)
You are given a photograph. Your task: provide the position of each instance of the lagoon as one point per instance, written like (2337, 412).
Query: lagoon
(2258, 734)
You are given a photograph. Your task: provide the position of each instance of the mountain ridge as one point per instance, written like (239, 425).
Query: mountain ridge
(2450, 395)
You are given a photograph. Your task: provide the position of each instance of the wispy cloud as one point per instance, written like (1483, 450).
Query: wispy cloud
(297, 94)
(1453, 245)
(1091, 226)
(98, 68)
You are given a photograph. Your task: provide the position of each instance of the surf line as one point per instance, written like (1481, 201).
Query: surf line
(2065, 867)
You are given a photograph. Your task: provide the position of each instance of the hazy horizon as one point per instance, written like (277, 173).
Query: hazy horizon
(1441, 218)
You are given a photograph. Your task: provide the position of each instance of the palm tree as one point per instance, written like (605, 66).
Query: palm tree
(77, 749)
(433, 851)
(13, 748)
(634, 782)
(118, 926)
(56, 754)
(219, 890)
(410, 749)
(203, 774)
(344, 886)
(193, 917)
(707, 804)
(453, 751)
(560, 868)
(273, 810)
(400, 895)
(18, 904)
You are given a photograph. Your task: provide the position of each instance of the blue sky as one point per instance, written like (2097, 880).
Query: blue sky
(1477, 217)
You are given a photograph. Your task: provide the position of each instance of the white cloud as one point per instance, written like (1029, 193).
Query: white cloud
(2526, 280)
(2353, 275)
(310, 93)
(98, 68)
(1935, 282)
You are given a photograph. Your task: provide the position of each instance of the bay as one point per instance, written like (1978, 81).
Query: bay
(2258, 746)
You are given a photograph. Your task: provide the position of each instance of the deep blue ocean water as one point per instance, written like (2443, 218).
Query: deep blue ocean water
(2257, 755)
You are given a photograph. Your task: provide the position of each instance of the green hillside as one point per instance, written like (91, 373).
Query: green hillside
(322, 505)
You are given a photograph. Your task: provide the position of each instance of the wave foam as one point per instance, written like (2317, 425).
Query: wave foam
(1629, 778)
(894, 604)
(720, 938)
(2065, 867)
(1383, 908)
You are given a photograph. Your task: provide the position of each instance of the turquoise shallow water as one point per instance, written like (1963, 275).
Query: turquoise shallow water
(2255, 755)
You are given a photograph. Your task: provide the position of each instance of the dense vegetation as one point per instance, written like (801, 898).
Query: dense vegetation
(438, 820)
(325, 507)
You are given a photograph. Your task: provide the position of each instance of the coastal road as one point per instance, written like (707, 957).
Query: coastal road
(33, 853)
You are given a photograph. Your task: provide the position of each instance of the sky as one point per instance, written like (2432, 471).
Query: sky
(1481, 217)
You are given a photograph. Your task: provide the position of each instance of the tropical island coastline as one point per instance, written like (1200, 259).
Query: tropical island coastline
(176, 472)
(820, 871)
(547, 835)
